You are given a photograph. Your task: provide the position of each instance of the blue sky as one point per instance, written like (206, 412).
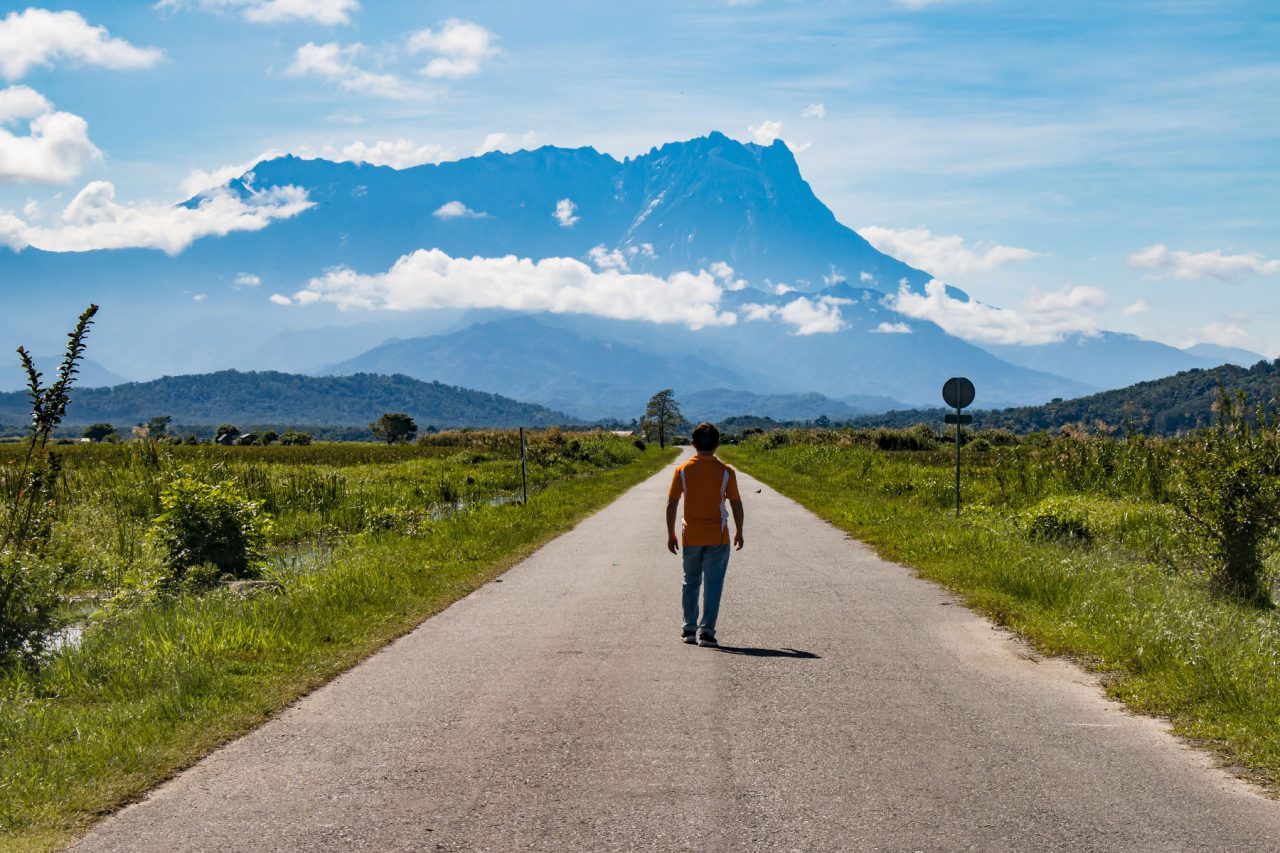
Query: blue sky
(1120, 158)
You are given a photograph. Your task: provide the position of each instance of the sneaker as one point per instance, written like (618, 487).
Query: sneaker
(707, 639)
(687, 636)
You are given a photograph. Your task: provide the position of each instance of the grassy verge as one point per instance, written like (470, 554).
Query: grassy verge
(1167, 645)
(155, 687)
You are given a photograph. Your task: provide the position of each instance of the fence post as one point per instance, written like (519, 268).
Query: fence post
(524, 471)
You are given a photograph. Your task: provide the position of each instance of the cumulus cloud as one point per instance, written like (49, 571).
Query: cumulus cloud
(766, 133)
(281, 299)
(941, 255)
(813, 316)
(95, 220)
(722, 271)
(429, 278)
(328, 12)
(1141, 306)
(1225, 335)
(396, 153)
(458, 48)
(247, 279)
(38, 37)
(887, 328)
(754, 311)
(608, 260)
(814, 111)
(1197, 265)
(200, 297)
(1041, 319)
(564, 213)
(55, 147)
(457, 210)
(338, 64)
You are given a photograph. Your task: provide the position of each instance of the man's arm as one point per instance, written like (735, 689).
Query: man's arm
(738, 516)
(673, 544)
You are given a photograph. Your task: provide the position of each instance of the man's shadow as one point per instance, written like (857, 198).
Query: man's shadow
(767, 653)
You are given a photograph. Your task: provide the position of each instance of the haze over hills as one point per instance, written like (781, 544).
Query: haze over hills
(812, 299)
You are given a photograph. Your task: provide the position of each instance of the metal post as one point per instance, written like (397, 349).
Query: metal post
(524, 471)
(957, 462)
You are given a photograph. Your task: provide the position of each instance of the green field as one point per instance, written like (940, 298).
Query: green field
(1073, 541)
(366, 541)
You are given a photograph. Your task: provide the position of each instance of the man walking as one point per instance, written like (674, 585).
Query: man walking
(705, 483)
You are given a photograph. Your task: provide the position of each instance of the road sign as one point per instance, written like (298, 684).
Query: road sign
(958, 392)
(959, 419)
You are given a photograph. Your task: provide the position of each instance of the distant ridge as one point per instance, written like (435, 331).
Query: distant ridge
(1166, 406)
(230, 396)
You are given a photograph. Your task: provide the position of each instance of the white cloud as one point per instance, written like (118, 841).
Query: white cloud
(31, 210)
(398, 153)
(247, 279)
(459, 48)
(1136, 308)
(941, 255)
(328, 12)
(813, 317)
(492, 142)
(54, 149)
(1042, 318)
(457, 210)
(865, 277)
(430, 278)
(337, 64)
(743, 2)
(504, 142)
(1197, 265)
(892, 329)
(200, 297)
(917, 5)
(753, 311)
(721, 271)
(782, 289)
(94, 220)
(199, 180)
(564, 213)
(1225, 335)
(608, 260)
(814, 111)
(281, 299)
(37, 37)
(766, 133)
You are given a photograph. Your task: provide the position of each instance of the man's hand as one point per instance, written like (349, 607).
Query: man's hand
(673, 544)
(737, 540)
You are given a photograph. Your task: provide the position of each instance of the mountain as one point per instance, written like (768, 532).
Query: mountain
(286, 399)
(1105, 360)
(1226, 355)
(719, 404)
(92, 374)
(1164, 406)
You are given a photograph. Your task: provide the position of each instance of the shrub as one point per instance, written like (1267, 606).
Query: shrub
(919, 437)
(1058, 518)
(297, 439)
(206, 524)
(30, 594)
(639, 444)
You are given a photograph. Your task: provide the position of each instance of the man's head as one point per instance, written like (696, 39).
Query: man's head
(706, 438)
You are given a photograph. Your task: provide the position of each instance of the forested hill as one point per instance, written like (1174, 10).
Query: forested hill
(1165, 406)
(230, 396)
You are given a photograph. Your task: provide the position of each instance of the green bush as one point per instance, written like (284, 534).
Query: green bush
(1058, 518)
(203, 524)
(30, 593)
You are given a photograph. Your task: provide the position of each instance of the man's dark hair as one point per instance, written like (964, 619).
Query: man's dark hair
(706, 437)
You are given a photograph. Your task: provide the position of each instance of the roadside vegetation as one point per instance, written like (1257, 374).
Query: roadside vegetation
(158, 599)
(1149, 560)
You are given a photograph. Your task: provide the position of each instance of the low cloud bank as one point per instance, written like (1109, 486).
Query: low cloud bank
(1042, 318)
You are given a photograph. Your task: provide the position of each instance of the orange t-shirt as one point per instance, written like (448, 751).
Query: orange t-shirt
(705, 482)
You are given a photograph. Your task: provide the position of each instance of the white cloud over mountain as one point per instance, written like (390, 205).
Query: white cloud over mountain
(329, 12)
(766, 133)
(1042, 318)
(338, 64)
(55, 147)
(39, 37)
(939, 254)
(396, 153)
(95, 220)
(457, 48)
(1198, 265)
(429, 278)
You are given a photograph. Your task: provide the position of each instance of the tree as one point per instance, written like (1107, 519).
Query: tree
(99, 432)
(270, 437)
(295, 438)
(158, 427)
(226, 434)
(661, 417)
(394, 428)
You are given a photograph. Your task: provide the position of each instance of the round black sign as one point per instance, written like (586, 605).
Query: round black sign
(958, 392)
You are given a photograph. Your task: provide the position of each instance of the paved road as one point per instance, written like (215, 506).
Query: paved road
(860, 709)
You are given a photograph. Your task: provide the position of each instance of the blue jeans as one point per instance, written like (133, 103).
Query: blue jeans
(704, 567)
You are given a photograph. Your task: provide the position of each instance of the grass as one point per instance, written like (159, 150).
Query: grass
(1128, 599)
(365, 550)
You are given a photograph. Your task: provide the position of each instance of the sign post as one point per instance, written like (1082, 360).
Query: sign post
(524, 471)
(958, 393)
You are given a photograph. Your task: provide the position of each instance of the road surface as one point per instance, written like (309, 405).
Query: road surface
(855, 707)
